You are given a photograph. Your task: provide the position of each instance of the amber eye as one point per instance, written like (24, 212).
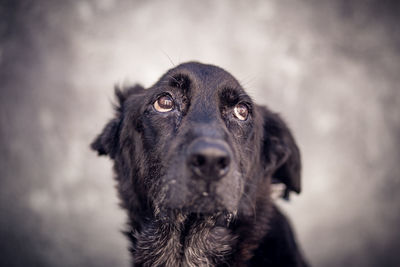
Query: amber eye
(164, 103)
(241, 111)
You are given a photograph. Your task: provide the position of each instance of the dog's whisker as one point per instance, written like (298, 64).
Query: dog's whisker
(170, 60)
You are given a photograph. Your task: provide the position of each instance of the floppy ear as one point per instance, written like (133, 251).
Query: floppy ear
(281, 153)
(107, 142)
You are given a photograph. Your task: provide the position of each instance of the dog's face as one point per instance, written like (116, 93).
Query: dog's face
(196, 142)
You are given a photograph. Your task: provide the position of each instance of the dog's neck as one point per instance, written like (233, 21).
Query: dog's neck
(184, 242)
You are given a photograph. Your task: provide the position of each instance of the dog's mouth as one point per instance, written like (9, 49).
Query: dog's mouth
(181, 193)
(208, 203)
(197, 197)
(223, 219)
(185, 216)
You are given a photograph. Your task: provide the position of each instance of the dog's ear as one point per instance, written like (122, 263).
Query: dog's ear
(107, 142)
(280, 152)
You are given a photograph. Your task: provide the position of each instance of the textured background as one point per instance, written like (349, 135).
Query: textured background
(331, 68)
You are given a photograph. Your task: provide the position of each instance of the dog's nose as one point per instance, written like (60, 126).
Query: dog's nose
(209, 160)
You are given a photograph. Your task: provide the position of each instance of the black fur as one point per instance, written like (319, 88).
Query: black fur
(196, 179)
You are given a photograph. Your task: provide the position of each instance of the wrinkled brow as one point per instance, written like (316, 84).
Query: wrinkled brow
(231, 96)
(180, 81)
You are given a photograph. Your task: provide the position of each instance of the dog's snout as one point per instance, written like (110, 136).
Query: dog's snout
(209, 161)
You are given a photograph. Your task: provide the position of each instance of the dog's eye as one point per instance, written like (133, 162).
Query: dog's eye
(164, 103)
(241, 111)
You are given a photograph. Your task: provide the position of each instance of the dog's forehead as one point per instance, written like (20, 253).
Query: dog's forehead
(204, 77)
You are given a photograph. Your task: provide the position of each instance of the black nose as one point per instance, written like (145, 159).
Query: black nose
(209, 160)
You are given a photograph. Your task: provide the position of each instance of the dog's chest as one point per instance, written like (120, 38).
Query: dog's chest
(201, 244)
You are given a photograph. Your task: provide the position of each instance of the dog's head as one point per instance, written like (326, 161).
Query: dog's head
(196, 142)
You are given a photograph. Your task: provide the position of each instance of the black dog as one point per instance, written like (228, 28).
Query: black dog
(194, 160)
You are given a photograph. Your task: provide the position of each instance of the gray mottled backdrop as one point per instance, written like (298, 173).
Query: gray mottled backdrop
(331, 68)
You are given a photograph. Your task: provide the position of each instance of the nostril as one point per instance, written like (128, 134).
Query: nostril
(223, 162)
(222, 166)
(198, 160)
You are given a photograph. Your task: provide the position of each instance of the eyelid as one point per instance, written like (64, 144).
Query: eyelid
(157, 96)
(163, 94)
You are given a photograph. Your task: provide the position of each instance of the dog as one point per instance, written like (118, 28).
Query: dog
(195, 159)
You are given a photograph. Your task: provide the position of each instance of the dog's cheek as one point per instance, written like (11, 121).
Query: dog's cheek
(156, 138)
(172, 189)
(230, 190)
(138, 152)
(253, 178)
